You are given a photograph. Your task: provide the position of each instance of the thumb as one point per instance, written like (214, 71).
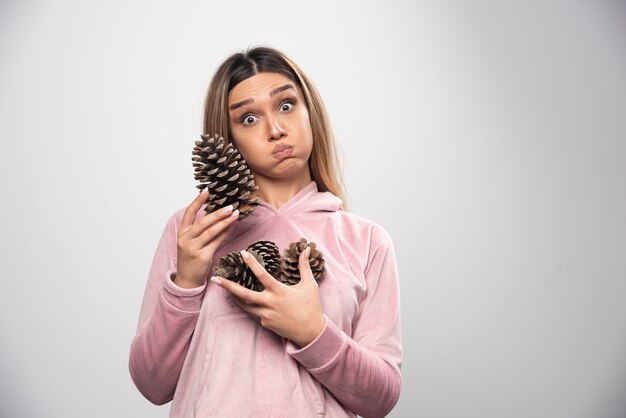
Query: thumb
(303, 265)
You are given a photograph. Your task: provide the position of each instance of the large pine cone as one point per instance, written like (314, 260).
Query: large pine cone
(233, 267)
(222, 170)
(290, 271)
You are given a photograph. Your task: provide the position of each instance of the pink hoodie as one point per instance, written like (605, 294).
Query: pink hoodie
(198, 348)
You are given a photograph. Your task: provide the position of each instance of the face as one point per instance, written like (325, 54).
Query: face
(270, 126)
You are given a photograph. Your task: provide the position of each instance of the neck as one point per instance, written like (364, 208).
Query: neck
(277, 192)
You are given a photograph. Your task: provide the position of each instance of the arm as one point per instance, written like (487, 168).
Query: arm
(169, 312)
(363, 370)
(166, 323)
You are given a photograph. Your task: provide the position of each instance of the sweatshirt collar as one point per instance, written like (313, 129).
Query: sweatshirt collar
(301, 195)
(309, 199)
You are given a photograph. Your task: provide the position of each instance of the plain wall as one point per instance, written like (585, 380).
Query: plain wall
(487, 137)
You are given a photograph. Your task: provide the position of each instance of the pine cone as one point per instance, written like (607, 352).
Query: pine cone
(290, 271)
(222, 170)
(232, 266)
(270, 256)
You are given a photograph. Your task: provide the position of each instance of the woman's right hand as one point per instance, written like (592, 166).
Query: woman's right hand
(197, 242)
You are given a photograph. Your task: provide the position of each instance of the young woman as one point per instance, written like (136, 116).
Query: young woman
(218, 349)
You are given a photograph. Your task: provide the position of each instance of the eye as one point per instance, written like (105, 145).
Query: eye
(287, 102)
(247, 118)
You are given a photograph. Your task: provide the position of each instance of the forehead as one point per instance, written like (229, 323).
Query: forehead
(258, 86)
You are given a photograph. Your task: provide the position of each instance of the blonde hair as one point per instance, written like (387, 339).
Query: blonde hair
(323, 163)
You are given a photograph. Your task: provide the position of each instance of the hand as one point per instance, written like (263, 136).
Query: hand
(197, 242)
(293, 312)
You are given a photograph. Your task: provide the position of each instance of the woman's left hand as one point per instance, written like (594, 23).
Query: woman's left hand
(293, 312)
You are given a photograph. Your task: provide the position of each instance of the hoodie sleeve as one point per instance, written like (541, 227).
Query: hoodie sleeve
(166, 323)
(363, 370)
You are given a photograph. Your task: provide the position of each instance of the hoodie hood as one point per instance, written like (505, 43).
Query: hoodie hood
(307, 202)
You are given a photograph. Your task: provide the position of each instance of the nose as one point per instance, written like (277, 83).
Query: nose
(276, 131)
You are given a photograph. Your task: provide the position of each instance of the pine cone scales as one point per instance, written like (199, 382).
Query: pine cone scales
(221, 169)
(290, 270)
(270, 255)
(232, 266)
(284, 269)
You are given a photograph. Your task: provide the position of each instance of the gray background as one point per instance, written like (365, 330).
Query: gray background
(487, 137)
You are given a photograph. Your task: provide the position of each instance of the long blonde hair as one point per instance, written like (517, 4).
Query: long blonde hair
(323, 163)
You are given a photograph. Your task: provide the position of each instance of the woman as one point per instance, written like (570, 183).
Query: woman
(218, 349)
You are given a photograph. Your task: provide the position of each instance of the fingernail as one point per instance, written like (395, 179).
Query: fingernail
(308, 252)
(216, 280)
(234, 214)
(244, 254)
(227, 209)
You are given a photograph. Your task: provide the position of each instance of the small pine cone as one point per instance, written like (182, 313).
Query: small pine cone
(290, 271)
(269, 256)
(232, 266)
(221, 169)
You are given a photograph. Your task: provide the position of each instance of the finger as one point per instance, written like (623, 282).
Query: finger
(213, 244)
(209, 220)
(211, 233)
(247, 295)
(192, 209)
(264, 277)
(251, 308)
(304, 266)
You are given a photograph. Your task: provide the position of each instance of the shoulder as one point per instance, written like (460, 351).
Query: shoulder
(357, 228)
(360, 239)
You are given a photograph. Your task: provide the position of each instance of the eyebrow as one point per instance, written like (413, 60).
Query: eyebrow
(272, 93)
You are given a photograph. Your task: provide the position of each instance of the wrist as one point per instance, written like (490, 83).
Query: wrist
(184, 283)
(312, 332)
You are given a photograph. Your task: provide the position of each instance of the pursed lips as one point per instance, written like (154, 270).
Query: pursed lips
(281, 147)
